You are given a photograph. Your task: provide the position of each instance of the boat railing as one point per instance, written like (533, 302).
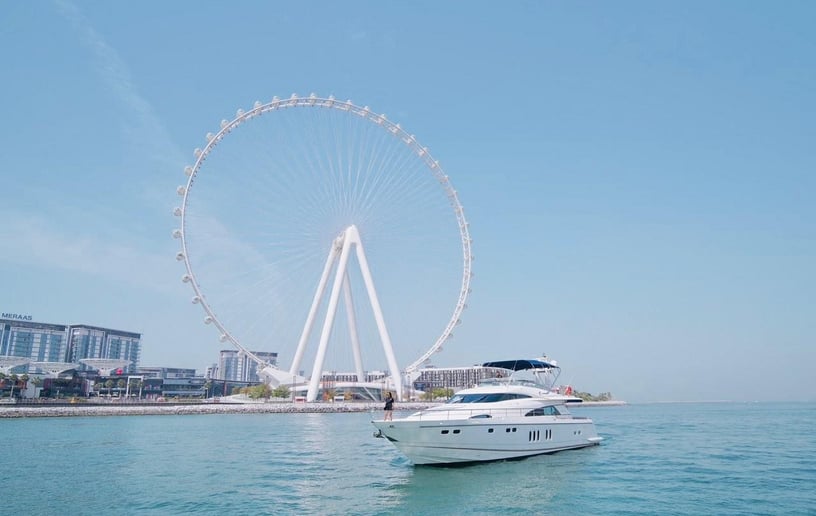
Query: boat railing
(513, 381)
(481, 414)
(530, 378)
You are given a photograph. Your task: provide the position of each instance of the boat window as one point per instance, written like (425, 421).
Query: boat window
(486, 397)
(481, 416)
(543, 411)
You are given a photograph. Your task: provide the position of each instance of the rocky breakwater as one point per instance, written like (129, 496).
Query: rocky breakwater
(86, 410)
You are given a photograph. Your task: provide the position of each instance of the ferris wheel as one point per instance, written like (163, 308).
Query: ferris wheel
(283, 184)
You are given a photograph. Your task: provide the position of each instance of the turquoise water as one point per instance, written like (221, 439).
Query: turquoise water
(718, 458)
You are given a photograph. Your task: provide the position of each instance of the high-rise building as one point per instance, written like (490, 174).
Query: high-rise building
(95, 342)
(238, 367)
(45, 342)
(38, 342)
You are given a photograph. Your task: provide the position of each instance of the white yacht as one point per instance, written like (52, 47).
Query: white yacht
(509, 416)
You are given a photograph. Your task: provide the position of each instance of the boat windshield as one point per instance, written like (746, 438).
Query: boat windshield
(486, 397)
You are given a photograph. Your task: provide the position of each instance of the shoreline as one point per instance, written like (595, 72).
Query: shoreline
(608, 403)
(88, 410)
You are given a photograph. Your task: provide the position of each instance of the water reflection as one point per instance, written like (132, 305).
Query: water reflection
(492, 487)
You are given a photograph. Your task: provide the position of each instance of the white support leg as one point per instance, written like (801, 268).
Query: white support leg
(318, 297)
(331, 311)
(352, 322)
(341, 247)
(378, 315)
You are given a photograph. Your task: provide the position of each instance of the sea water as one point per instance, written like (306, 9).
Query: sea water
(693, 458)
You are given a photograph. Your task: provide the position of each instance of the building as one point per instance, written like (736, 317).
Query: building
(239, 367)
(22, 337)
(95, 342)
(171, 382)
(38, 342)
(454, 378)
(193, 387)
(369, 376)
(165, 372)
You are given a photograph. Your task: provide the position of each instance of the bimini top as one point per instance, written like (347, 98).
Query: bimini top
(521, 365)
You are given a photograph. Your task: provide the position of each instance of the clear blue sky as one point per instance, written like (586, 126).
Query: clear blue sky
(639, 176)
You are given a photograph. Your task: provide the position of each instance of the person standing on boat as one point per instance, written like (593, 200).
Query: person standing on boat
(389, 407)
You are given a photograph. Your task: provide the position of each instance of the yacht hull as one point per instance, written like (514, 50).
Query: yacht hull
(472, 440)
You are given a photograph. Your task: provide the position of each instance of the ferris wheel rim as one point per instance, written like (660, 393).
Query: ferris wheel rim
(329, 102)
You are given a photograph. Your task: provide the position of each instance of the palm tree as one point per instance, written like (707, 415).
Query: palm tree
(13, 379)
(207, 387)
(139, 384)
(37, 382)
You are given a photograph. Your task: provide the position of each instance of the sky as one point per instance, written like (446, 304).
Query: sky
(638, 176)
